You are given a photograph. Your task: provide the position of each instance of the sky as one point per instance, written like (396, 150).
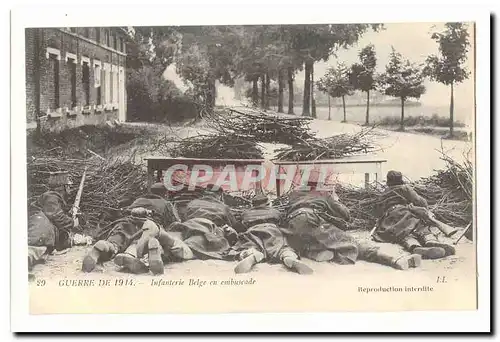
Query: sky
(413, 41)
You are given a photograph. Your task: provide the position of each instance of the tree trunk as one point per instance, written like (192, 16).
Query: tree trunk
(367, 108)
(255, 91)
(263, 91)
(343, 105)
(307, 90)
(452, 108)
(402, 114)
(268, 89)
(313, 101)
(210, 101)
(280, 91)
(329, 109)
(290, 90)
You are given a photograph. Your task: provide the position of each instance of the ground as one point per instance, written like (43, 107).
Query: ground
(415, 155)
(68, 265)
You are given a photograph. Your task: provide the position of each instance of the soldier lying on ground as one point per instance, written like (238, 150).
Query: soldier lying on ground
(404, 220)
(51, 227)
(126, 239)
(207, 231)
(263, 240)
(315, 228)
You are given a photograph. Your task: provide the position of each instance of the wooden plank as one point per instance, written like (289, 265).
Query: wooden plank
(206, 160)
(332, 161)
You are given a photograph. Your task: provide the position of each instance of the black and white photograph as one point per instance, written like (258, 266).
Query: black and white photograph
(227, 161)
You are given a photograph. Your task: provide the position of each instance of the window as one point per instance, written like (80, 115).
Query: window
(121, 44)
(97, 83)
(86, 32)
(72, 29)
(54, 67)
(115, 42)
(98, 35)
(72, 71)
(108, 38)
(117, 92)
(86, 82)
(111, 85)
(104, 85)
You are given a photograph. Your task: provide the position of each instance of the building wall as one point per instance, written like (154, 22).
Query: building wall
(71, 49)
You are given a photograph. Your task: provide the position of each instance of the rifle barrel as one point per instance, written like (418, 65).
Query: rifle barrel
(78, 197)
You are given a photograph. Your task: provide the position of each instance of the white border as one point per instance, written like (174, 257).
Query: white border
(245, 14)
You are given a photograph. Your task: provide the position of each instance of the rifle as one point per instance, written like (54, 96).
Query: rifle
(76, 222)
(428, 216)
(447, 230)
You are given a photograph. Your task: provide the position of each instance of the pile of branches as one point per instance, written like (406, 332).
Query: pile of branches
(109, 186)
(449, 191)
(218, 146)
(238, 133)
(263, 127)
(334, 147)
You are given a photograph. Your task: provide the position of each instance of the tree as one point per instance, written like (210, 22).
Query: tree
(402, 79)
(260, 57)
(312, 43)
(447, 67)
(206, 55)
(335, 83)
(362, 76)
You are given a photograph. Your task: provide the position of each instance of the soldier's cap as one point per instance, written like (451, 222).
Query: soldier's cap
(394, 178)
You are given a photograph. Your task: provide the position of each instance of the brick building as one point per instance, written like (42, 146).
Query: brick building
(75, 76)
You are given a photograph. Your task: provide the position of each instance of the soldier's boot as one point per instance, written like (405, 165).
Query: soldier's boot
(131, 263)
(129, 260)
(35, 255)
(399, 262)
(430, 241)
(412, 245)
(101, 248)
(149, 230)
(249, 258)
(170, 242)
(155, 252)
(291, 260)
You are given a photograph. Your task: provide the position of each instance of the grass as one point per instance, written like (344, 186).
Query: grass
(412, 121)
(74, 142)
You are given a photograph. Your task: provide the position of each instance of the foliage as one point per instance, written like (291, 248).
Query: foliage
(447, 67)
(411, 121)
(335, 82)
(402, 78)
(153, 98)
(362, 75)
